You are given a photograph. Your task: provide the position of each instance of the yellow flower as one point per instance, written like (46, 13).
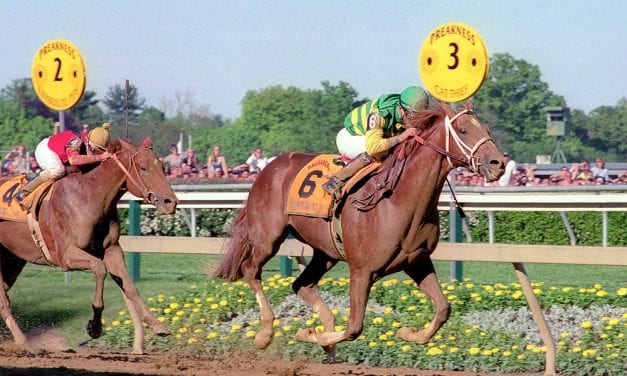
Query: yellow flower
(406, 348)
(507, 353)
(474, 350)
(613, 321)
(122, 313)
(115, 322)
(251, 333)
(453, 350)
(174, 305)
(396, 324)
(434, 351)
(586, 324)
(372, 344)
(235, 327)
(377, 320)
(212, 335)
(601, 293)
(588, 352)
(564, 334)
(622, 291)
(390, 343)
(183, 330)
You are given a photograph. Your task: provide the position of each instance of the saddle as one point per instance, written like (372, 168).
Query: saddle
(306, 196)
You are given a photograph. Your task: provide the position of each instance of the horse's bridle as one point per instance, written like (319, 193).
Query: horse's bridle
(146, 193)
(469, 158)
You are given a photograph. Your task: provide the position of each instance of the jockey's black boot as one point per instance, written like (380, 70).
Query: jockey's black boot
(336, 182)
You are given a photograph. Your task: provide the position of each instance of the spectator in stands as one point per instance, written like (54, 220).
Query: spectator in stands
(583, 174)
(216, 163)
(172, 160)
(599, 170)
(191, 160)
(15, 161)
(257, 161)
(33, 166)
(510, 170)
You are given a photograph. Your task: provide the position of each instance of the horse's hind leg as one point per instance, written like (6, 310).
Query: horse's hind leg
(306, 286)
(251, 268)
(360, 285)
(10, 267)
(139, 311)
(423, 273)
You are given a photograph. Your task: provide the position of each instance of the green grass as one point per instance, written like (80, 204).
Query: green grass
(41, 295)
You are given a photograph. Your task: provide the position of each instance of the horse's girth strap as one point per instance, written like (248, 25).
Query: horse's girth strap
(38, 238)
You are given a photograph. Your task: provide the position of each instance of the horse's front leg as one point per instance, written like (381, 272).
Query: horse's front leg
(76, 259)
(139, 311)
(423, 273)
(360, 284)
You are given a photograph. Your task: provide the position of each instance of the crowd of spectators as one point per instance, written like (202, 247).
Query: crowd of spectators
(580, 173)
(17, 161)
(187, 169)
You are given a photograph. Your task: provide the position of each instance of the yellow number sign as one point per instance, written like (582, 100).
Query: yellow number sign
(58, 74)
(453, 62)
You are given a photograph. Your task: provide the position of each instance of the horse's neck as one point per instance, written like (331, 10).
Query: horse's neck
(102, 186)
(425, 172)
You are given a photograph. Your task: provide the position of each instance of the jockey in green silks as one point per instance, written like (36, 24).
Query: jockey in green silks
(373, 128)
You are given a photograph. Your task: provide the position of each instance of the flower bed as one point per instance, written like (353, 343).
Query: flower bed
(490, 328)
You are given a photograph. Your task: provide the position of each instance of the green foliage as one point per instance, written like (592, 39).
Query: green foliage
(118, 105)
(512, 100)
(544, 227)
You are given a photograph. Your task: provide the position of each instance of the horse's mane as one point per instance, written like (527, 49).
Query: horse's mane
(117, 145)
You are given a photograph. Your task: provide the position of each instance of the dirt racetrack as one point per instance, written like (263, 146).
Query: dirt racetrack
(56, 359)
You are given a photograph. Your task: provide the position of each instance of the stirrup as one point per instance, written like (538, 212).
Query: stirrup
(334, 187)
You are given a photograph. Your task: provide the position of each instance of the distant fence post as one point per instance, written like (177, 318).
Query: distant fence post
(285, 263)
(456, 236)
(134, 229)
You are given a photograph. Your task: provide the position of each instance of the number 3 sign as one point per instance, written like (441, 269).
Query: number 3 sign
(453, 62)
(58, 74)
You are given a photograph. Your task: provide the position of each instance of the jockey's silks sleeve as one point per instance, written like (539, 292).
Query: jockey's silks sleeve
(76, 159)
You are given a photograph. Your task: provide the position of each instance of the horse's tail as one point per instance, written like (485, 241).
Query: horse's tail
(237, 250)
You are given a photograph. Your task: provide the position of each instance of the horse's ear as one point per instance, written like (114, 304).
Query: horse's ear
(147, 143)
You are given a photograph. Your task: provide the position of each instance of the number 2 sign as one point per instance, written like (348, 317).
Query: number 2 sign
(58, 74)
(453, 62)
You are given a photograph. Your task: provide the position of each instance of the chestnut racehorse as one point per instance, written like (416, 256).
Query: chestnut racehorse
(80, 225)
(398, 231)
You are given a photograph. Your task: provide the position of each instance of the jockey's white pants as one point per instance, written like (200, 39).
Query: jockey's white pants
(348, 145)
(50, 163)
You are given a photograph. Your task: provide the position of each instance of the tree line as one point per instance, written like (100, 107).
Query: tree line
(281, 119)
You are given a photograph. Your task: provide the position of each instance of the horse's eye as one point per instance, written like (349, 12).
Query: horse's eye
(463, 131)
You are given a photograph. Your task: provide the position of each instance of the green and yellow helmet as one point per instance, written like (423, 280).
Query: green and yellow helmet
(99, 137)
(415, 99)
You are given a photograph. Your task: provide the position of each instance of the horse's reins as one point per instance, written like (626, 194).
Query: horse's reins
(469, 153)
(145, 192)
(469, 158)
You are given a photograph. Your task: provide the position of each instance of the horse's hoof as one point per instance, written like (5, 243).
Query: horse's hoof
(330, 350)
(161, 330)
(263, 339)
(305, 335)
(412, 335)
(94, 329)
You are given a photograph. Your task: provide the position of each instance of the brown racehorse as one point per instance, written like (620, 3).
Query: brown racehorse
(398, 233)
(80, 225)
